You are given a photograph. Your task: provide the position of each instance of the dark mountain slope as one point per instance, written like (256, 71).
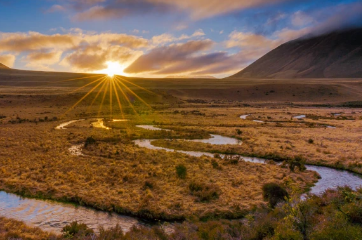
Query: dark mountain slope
(333, 55)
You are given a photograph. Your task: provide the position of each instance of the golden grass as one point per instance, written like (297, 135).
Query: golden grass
(280, 135)
(115, 175)
(12, 229)
(112, 176)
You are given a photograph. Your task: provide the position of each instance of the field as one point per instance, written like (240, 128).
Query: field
(116, 175)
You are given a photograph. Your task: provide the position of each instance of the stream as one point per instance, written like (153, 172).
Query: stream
(53, 216)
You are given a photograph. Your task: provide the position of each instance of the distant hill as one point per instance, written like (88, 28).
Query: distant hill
(2, 66)
(186, 76)
(333, 55)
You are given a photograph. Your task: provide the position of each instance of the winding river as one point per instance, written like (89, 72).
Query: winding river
(53, 216)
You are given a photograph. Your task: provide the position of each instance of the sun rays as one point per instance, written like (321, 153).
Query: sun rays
(111, 88)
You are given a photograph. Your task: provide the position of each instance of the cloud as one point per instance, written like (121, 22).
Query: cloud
(94, 58)
(167, 38)
(56, 8)
(208, 8)
(7, 59)
(116, 9)
(42, 58)
(101, 13)
(33, 41)
(19, 42)
(82, 51)
(250, 40)
(164, 57)
(181, 26)
(300, 18)
(338, 17)
(163, 38)
(113, 9)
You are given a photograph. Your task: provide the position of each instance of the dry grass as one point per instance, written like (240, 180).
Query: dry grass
(113, 175)
(11, 229)
(280, 136)
(116, 175)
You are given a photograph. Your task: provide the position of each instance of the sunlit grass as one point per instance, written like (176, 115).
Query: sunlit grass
(114, 87)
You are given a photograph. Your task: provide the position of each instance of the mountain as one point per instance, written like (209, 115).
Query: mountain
(332, 55)
(2, 66)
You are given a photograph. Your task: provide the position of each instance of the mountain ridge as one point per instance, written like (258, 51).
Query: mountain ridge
(334, 55)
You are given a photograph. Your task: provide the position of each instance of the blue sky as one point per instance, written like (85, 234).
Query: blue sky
(158, 38)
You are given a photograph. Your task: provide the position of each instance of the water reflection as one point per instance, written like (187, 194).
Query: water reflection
(53, 216)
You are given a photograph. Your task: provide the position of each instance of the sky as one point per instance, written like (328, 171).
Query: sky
(160, 38)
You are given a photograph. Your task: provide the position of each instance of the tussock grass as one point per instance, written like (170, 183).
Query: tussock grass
(115, 175)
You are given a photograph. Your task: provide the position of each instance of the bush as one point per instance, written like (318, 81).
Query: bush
(111, 233)
(297, 161)
(148, 184)
(273, 193)
(76, 229)
(215, 164)
(310, 141)
(89, 141)
(181, 171)
(354, 212)
(204, 192)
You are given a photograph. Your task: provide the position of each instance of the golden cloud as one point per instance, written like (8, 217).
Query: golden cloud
(163, 57)
(7, 59)
(197, 9)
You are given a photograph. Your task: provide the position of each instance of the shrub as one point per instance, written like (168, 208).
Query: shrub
(148, 184)
(310, 141)
(76, 229)
(89, 141)
(111, 233)
(297, 161)
(181, 171)
(215, 164)
(354, 212)
(273, 193)
(204, 192)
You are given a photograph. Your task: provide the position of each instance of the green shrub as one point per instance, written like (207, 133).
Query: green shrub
(273, 193)
(181, 171)
(76, 229)
(215, 164)
(354, 212)
(298, 161)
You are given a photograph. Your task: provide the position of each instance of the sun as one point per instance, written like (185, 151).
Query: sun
(113, 68)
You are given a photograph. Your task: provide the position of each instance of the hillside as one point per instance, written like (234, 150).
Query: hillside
(2, 66)
(333, 55)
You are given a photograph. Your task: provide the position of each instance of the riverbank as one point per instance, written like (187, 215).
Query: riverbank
(316, 217)
(182, 145)
(117, 176)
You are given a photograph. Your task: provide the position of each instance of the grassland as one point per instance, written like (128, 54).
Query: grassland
(11, 229)
(280, 136)
(334, 215)
(115, 175)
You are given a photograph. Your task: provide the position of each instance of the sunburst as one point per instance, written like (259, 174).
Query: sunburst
(113, 85)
